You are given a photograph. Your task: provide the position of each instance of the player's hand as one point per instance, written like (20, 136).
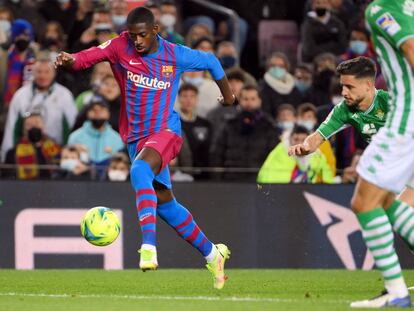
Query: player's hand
(64, 59)
(299, 150)
(227, 102)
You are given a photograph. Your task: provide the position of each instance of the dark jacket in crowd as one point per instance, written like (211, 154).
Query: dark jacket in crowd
(320, 38)
(271, 99)
(244, 141)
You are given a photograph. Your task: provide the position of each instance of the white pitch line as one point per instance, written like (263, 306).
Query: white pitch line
(195, 298)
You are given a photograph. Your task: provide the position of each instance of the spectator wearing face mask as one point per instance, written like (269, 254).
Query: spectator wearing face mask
(119, 10)
(286, 118)
(118, 169)
(227, 55)
(308, 118)
(246, 139)
(303, 82)
(52, 100)
(322, 32)
(6, 19)
(207, 90)
(359, 45)
(278, 85)
(17, 62)
(97, 134)
(280, 168)
(61, 11)
(168, 21)
(71, 166)
(197, 129)
(33, 149)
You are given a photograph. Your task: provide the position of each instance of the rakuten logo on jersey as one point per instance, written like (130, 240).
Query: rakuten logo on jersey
(146, 82)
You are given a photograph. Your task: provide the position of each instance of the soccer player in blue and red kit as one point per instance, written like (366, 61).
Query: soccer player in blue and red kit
(148, 70)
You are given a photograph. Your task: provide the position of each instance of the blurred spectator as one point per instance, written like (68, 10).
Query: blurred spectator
(52, 100)
(111, 93)
(168, 21)
(100, 30)
(196, 32)
(17, 62)
(197, 129)
(6, 19)
(97, 134)
(83, 20)
(205, 44)
(303, 81)
(118, 169)
(246, 139)
(71, 166)
(100, 70)
(33, 149)
(227, 55)
(53, 40)
(350, 175)
(324, 72)
(155, 9)
(219, 115)
(27, 10)
(308, 118)
(322, 32)
(280, 168)
(343, 10)
(61, 11)
(119, 11)
(286, 118)
(359, 45)
(278, 85)
(207, 89)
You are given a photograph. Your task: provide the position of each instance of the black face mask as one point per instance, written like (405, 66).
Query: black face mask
(48, 42)
(34, 134)
(320, 12)
(97, 123)
(228, 61)
(21, 44)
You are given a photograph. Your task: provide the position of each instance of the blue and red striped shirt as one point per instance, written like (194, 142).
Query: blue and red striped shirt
(149, 83)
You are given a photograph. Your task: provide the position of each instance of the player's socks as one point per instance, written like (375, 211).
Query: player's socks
(401, 217)
(379, 238)
(146, 200)
(179, 218)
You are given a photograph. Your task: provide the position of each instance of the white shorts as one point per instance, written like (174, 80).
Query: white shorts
(388, 161)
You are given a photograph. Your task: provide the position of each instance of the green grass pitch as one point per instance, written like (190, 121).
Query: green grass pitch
(186, 289)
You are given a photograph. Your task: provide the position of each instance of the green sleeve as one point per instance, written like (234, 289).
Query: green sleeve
(394, 23)
(335, 122)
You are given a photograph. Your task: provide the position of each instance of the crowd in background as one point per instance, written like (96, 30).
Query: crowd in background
(58, 119)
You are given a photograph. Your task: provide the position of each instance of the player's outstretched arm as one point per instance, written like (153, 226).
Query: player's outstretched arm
(64, 59)
(224, 86)
(311, 143)
(408, 49)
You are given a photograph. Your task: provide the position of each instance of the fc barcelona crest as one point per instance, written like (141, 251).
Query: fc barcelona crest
(167, 70)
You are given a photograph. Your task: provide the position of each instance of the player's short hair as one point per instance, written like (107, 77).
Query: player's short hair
(140, 15)
(187, 87)
(299, 129)
(306, 107)
(360, 67)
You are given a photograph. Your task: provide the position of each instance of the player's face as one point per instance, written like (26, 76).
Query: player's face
(144, 37)
(354, 90)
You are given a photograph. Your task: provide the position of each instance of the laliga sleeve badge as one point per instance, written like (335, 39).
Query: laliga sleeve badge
(387, 23)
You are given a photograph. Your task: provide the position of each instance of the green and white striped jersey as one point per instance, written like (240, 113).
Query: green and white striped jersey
(365, 122)
(391, 23)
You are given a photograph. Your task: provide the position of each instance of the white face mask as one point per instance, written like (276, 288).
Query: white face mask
(69, 164)
(286, 125)
(168, 20)
(308, 124)
(5, 26)
(117, 175)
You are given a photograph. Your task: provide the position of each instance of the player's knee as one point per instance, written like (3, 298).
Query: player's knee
(164, 195)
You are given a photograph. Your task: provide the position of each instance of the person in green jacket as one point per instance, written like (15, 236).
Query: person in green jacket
(280, 168)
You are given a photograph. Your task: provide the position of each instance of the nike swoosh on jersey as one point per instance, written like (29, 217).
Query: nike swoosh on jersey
(131, 62)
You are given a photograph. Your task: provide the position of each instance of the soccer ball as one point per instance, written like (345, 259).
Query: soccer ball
(100, 226)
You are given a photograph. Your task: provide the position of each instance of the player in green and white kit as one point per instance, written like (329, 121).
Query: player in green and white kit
(366, 109)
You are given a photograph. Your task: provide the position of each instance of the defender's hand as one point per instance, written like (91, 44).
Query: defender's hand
(64, 59)
(299, 150)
